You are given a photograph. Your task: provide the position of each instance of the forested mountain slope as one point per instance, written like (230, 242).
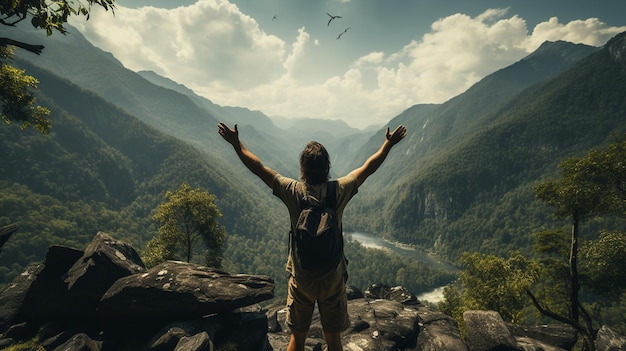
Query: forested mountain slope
(169, 111)
(102, 169)
(471, 189)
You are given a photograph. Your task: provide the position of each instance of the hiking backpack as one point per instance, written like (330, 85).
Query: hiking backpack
(317, 236)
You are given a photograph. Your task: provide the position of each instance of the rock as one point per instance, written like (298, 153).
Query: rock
(49, 286)
(14, 298)
(105, 260)
(398, 293)
(244, 331)
(197, 342)
(380, 325)
(170, 335)
(353, 292)
(608, 340)
(486, 331)
(182, 306)
(80, 342)
(561, 336)
(29, 295)
(438, 332)
(179, 291)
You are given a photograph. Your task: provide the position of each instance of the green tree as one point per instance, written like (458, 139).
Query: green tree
(589, 186)
(495, 283)
(16, 100)
(187, 219)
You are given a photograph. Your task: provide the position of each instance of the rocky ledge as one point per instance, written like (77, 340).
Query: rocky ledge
(103, 298)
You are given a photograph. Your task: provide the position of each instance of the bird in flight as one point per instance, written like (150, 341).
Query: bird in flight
(331, 18)
(274, 18)
(340, 34)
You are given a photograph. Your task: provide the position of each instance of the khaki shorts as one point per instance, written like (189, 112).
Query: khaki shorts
(332, 301)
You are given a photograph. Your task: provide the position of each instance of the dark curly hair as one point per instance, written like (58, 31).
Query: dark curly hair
(314, 163)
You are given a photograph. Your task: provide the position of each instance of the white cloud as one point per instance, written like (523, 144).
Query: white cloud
(372, 58)
(591, 32)
(208, 41)
(223, 54)
(292, 63)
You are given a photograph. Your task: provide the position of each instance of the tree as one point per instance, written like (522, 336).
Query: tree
(17, 102)
(589, 186)
(494, 283)
(186, 219)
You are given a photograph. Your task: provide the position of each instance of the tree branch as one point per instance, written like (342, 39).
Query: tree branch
(36, 49)
(579, 327)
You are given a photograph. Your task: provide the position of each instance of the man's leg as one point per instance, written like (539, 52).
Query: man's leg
(296, 343)
(333, 341)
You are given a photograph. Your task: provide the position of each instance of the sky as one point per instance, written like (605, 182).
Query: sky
(284, 58)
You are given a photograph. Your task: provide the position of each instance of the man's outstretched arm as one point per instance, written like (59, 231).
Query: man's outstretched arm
(250, 160)
(373, 162)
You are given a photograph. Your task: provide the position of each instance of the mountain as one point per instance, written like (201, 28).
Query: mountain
(466, 173)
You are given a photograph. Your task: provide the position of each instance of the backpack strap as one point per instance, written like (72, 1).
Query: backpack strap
(331, 194)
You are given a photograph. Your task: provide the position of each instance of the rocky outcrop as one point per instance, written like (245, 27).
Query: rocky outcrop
(103, 298)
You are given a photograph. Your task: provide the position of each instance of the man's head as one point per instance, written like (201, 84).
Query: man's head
(314, 163)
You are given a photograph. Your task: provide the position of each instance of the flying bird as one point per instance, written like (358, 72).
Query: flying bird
(340, 34)
(331, 18)
(274, 18)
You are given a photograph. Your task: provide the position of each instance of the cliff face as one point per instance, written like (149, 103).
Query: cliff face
(103, 298)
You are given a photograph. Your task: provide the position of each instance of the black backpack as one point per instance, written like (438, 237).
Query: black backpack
(317, 237)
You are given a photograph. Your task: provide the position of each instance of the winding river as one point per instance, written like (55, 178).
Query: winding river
(372, 241)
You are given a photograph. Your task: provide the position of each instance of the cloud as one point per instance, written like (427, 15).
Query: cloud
(208, 41)
(590, 32)
(224, 55)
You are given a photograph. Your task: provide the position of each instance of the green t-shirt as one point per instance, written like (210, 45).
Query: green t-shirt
(289, 190)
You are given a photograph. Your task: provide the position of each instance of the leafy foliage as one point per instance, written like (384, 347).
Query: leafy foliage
(492, 283)
(17, 102)
(47, 15)
(605, 263)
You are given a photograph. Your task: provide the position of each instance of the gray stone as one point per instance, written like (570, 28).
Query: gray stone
(438, 332)
(197, 342)
(105, 260)
(561, 336)
(486, 331)
(13, 298)
(177, 291)
(608, 340)
(80, 342)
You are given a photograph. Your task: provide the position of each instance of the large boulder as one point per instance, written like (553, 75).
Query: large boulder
(178, 291)
(104, 261)
(438, 331)
(557, 336)
(29, 295)
(13, 298)
(486, 331)
(380, 325)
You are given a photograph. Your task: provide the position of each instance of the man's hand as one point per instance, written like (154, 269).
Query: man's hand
(230, 135)
(398, 134)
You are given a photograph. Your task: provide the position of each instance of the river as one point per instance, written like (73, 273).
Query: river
(372, 241)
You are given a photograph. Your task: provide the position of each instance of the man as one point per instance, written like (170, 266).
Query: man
(306, 288)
